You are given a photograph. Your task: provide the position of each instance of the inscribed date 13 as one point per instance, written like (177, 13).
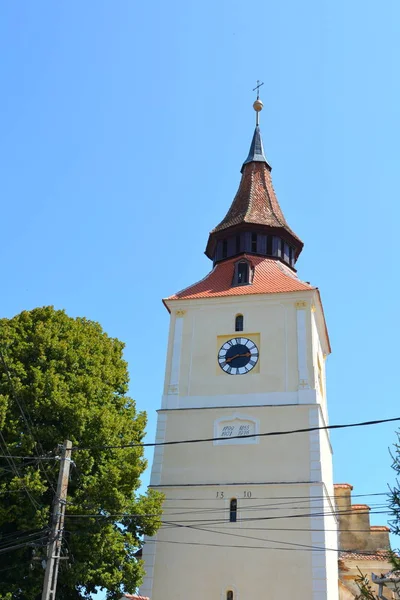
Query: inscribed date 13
(221, 495)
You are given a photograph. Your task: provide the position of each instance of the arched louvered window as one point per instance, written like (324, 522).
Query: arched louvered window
(242, 274)
(229, 595)
(233, 510)
(239, 323)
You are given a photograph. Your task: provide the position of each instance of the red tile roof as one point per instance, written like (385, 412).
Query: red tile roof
(391, 576)
(377, 555)
(270, 277)
(343, 485)
(379, 528)
(360, 507)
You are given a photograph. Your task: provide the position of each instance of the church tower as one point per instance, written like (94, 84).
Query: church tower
(246, 515)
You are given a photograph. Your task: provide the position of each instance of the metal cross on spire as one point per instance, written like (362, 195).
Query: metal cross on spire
(258, 88)
(258, 105)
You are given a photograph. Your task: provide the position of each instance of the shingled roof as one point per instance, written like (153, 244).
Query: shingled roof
(255, 202)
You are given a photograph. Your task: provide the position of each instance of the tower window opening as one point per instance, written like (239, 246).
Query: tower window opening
(237, 244)
(239, 323)
(224, 248)
(243, 273)
(233, 511)
(254, 242)
(229, 595)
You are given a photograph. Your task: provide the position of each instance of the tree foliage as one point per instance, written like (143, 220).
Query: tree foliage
(64, 378)
(367, 590)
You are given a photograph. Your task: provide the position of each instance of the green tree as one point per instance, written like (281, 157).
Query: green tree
(367, 591)
(64, 378)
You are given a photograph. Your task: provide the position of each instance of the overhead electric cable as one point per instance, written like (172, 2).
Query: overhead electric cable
(322, 549)
(34, 542)
(286, 516)
(280, 497)
(25, 415)
(15, 471)
(233, 437)
(32, 458)
(250, 537)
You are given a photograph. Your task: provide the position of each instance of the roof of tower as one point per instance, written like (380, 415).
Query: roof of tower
(255, 202)
(256, 152)
(269, 277)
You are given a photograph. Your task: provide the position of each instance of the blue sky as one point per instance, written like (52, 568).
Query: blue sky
(123, 128)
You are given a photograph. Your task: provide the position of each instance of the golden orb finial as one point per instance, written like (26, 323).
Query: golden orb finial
(258, 105)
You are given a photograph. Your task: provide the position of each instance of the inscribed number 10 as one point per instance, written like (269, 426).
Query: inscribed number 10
(221, 495)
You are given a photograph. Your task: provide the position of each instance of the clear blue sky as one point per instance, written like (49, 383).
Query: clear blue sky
(123, 129)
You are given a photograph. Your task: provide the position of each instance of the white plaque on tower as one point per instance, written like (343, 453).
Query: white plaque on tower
(236, 429)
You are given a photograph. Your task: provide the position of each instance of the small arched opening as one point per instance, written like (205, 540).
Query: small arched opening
(233, 510)
(239, 323)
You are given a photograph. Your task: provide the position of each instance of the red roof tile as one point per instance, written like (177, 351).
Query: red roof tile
(343, 485)
(255, 201)
(377, 555)
(379, 528)
(270, 277)
(360, 507)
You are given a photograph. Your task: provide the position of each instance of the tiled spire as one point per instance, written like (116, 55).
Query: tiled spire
(255, 203)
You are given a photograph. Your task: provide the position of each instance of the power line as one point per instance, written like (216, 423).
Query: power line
(25, 417)
(250, 537)
(21, 538)
(20, 534)
(32, 458)
(276, 506)
(252, 435)
(286, 516)
(107, 515)
(322, 549)
(15, 471)
(34, 542)
(281, 497)
(291, 529)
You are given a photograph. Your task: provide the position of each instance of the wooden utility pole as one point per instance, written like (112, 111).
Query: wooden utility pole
(54, 546)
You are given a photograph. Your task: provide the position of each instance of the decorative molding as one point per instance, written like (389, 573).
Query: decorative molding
(300, 305)
(180, 313)
(149, 554)
(313, 308)
(173, 387)
(149, 549)
(302, 347)
(236, 401)
(155, 477)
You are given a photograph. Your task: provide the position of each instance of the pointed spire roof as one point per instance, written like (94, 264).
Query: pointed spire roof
(256, 152)
(255, 203)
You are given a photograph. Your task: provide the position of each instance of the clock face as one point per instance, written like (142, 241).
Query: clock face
(238, 356)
